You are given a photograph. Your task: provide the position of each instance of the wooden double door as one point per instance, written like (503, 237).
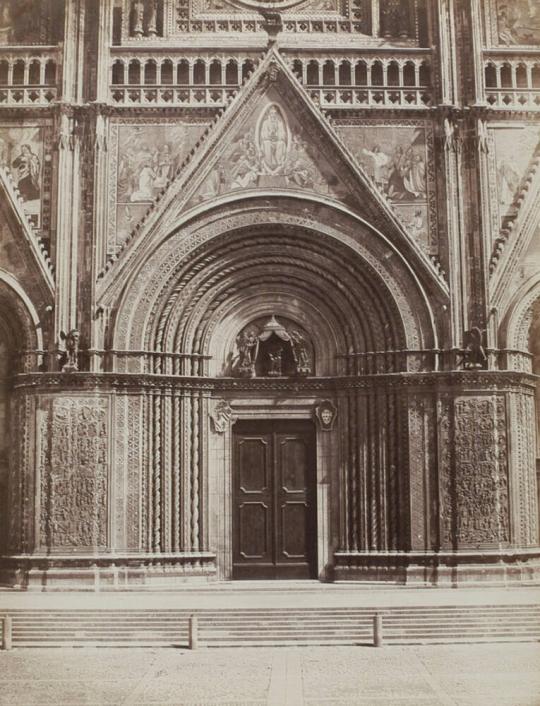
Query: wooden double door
(274, 513)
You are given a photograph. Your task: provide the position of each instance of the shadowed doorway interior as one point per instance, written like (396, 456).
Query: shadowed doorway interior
(275, 535)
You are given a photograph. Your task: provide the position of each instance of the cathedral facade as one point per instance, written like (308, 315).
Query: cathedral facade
(269, 291)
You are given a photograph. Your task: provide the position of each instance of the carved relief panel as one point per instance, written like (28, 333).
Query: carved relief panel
(73, 462)
(474, 471)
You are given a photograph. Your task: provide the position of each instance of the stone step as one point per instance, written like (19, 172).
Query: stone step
(275, 626)
(254, 621)
(272, 611)
(272, 620)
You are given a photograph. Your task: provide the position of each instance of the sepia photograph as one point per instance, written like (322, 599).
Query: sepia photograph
(270, 352)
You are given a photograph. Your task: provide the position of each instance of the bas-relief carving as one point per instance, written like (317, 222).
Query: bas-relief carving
(474, 471)
(144, 157)
(270, 150)
(515, 149)
(26, 153)
(399, 161)
(73, 438)
(518, 22)
(228, 7)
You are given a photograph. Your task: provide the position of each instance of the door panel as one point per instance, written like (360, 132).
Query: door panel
(274, 514)
(294, 522)
(253, 533)
(254, 530)
(254, 465)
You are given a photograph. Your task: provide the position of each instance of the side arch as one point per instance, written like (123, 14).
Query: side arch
(516, 322)
(19, 331)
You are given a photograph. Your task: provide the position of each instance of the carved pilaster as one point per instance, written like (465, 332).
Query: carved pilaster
(166, 471)
(457, 260)
(422, 473)
(74, 59)
(104, 41)
(447, 63)
(67, 219)
(522, 471)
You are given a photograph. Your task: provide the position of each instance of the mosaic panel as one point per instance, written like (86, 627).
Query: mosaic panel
(515, 149)
(399, 160)
(25, 150)
(144, 157)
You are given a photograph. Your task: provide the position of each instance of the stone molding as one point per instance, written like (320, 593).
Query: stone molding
(474, 380)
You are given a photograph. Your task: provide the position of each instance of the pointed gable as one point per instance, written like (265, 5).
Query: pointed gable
(272, 139)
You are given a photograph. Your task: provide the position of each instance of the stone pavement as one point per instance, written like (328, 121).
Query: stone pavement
(449, 675)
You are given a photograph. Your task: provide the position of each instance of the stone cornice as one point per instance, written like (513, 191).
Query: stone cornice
(462, 381)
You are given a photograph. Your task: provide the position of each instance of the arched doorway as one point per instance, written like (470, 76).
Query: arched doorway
(323, 306)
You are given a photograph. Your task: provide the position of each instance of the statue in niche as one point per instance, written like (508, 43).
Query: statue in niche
(474, 354)
(138, 18)
(248, 347)
(152, 19)
(274, 350)
(70, 358)
(274, 357)
(300, 352)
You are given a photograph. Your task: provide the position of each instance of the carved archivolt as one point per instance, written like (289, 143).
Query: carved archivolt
(351, 274)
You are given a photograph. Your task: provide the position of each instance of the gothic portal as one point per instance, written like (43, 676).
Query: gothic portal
(269, 292)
